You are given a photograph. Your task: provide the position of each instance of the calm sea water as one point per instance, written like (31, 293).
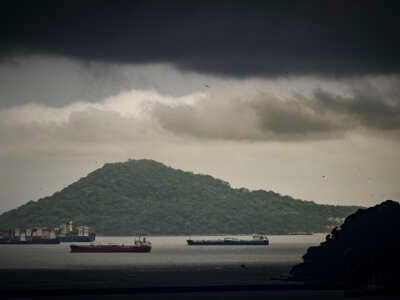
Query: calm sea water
(167, 252)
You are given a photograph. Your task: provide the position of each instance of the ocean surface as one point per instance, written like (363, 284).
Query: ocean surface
(34, 270)
(168, 252)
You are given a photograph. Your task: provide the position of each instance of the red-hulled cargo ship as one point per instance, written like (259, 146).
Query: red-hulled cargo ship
(138, 246)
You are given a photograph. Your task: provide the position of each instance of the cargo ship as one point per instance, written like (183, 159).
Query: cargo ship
(140, 245)
(257, 240)
(67, 233)
(29, 236)
(48, 235)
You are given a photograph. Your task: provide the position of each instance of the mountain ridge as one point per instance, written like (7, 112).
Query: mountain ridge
(149, 197)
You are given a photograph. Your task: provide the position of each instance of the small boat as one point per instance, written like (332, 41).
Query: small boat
(258, 240)
(140, 245)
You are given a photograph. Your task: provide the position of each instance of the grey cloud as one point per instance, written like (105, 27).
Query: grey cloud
(263, 118)
(209, 120)
(59, 81)
(56, 81)
(240, 112)
(322, 115)
(95, 126)
(291, 117)
(90, 131)
(368, 107)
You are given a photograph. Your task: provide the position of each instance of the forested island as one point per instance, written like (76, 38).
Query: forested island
(145, 196)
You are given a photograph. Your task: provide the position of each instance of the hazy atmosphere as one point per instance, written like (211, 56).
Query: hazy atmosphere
(261, 96)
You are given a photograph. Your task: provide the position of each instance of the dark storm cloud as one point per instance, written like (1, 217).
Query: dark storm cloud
(224, 37)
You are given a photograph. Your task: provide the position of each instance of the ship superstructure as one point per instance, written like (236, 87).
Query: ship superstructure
(68, 233)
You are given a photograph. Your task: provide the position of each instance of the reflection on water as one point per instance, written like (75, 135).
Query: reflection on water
(168, 251)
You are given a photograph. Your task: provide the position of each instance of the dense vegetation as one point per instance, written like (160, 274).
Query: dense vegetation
(365, 249)
(144, 196)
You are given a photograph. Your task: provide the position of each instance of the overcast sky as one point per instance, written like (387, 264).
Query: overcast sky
(302, 98)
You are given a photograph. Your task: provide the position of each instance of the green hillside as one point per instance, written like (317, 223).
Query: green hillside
(144, 196)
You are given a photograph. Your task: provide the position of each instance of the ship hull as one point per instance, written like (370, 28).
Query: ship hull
(110, 248)
(227, 242)
(76, 239)
(30, 242)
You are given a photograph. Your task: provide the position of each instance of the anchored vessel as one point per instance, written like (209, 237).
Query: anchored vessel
(67, 233)
(26, 236)
(259, 240)
(48, 235)
(140, 245)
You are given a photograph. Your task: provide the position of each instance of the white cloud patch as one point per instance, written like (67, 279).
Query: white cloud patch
(115, 121)
(127, 104)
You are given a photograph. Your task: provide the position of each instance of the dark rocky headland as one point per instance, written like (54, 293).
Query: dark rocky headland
(362, 253)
